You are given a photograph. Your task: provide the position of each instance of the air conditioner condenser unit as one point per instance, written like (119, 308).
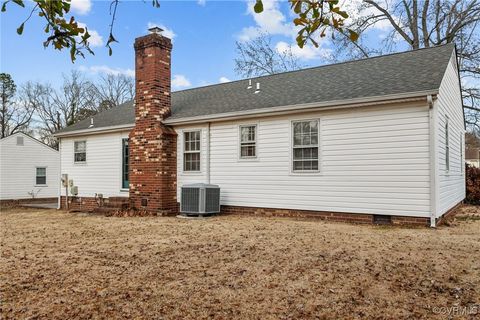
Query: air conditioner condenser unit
(200, 199)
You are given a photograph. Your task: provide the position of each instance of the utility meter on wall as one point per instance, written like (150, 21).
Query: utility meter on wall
(74, 190)
(65, 180)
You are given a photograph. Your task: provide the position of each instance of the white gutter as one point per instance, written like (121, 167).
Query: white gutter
(208, 154)
(328, 105)
(88, 131)
(433, 161)
(60, 175)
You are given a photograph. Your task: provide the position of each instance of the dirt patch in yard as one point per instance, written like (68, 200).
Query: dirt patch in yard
(63, 265)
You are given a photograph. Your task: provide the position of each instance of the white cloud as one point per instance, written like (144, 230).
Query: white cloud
(202, 2)
(180, 81)
(167, 32)
(271, 21)
(308, 52)
(102, 69)
(357, 9)
(81, 6)
(224, 79)
(95, 39)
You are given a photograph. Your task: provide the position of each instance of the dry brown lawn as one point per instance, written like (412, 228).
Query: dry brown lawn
(63, 265)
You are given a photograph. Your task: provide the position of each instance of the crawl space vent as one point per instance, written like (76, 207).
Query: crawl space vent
(382, 219)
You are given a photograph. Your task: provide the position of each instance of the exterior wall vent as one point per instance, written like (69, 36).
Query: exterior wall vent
(382, 219)
(19, 141)
(200, 199)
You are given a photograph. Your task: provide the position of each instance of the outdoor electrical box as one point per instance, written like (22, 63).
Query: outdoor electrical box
(74, 190)
(65, 180)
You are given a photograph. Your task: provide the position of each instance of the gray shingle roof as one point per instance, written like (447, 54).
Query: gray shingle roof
(411, 71)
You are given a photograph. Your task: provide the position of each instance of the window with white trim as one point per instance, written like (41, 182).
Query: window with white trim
(80, 151)
(305, 145)
(191, 150)
(40, 176)
(248, 141)
(447, 146)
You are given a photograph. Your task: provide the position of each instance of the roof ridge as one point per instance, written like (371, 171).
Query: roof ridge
(317, 67)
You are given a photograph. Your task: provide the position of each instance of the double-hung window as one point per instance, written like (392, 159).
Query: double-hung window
(125, 163)
(447, 146)
(40, 176)
(191, 150)
(80, 151)
(248, 141)
(305, 146)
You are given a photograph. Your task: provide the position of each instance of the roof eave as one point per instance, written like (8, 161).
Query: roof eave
(89, 131)
(327, 105)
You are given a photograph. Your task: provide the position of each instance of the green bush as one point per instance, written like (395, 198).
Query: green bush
(472, 182)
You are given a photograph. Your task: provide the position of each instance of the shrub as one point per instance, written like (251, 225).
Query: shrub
(472, 182)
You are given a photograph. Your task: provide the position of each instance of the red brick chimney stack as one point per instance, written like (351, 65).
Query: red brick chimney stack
(153, 145)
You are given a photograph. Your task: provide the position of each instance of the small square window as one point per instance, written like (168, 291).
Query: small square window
(41, 176)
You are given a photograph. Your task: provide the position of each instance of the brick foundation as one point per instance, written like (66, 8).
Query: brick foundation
(449, 214)
(322, 215)
(89, 204)
(80, 203)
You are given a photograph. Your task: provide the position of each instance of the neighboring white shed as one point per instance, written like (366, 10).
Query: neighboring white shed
(28, 168)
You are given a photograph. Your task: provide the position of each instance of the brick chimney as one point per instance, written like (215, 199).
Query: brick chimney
(153, 145)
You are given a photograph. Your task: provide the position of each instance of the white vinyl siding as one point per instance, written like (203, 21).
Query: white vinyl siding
(447, 146)
(19, 166)
(102, 173)
(191, 177)
(373, 160)
(450, 187)
(462, 147)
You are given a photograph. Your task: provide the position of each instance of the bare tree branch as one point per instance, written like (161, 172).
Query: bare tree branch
(258, 57)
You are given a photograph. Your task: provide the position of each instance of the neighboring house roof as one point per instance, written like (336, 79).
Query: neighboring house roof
(28, 137)
(389, 75)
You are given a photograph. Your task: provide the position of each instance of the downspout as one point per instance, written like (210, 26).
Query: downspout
(433, 161)
(207, 170)
(59, 206)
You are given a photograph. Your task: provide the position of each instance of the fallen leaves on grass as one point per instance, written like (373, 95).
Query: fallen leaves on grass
(63, 265)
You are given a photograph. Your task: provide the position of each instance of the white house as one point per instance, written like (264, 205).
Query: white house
(370, 139)
(28, 169)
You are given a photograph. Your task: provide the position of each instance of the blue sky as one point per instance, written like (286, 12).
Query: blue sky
(204, 35)
(203, 32)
